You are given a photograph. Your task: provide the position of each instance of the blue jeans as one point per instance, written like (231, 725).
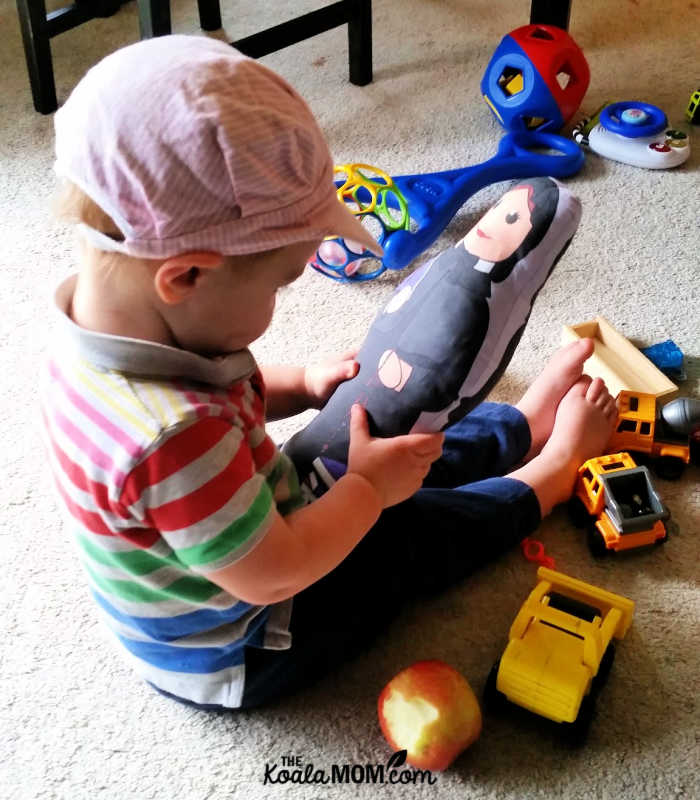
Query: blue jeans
(464, 516)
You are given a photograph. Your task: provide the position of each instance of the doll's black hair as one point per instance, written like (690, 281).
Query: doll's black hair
(543, 199)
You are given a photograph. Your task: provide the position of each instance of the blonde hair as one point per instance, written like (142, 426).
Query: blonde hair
(73, 205)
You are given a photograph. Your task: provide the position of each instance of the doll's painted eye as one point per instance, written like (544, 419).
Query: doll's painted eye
(512, 218)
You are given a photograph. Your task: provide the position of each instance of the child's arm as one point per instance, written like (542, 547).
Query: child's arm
(302, 547)
(291, 390)
(285, 391)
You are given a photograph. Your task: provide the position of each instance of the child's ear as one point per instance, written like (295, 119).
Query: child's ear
(179, 276)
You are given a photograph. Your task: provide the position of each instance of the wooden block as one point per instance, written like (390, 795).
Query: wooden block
(617, 361)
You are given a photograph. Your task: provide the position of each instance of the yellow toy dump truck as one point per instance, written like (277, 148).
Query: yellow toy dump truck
(639, 430)
(560, 651)
(616, 501)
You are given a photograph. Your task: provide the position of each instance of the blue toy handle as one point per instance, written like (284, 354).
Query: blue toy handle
(434, 198)
(558, 166)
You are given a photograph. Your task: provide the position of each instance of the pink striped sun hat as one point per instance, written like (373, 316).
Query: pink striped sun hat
(189, 145)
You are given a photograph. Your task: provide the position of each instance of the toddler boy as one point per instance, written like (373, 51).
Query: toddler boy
(201, 184)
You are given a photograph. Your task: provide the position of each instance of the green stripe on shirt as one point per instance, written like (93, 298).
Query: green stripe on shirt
(135, 562)
(190, 588)
(233, 536)
(295, 499)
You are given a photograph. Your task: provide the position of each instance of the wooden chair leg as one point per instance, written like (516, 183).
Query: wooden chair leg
(37, 51)
(360, 42)
(551, 12)
(154, 18)
(209, 14)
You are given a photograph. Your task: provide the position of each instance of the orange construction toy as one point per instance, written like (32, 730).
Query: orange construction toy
(617, 502)
(637, 430)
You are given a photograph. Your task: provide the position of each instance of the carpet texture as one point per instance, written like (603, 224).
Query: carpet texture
(76, 722)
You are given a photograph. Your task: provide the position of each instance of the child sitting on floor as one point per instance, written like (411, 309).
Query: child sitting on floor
(202, 184)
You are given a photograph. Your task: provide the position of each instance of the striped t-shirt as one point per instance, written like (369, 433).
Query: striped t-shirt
(162, 463)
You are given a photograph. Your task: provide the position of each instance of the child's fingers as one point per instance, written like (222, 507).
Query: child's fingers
(349, 355)
(421, 439)
(359, 426)
(428, 445)
(351, 369)
(342, 371)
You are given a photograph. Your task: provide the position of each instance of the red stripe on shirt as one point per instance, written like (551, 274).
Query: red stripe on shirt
(93, 522)
(78, 477)
(173, 455)
(264, 452)
(192, 508)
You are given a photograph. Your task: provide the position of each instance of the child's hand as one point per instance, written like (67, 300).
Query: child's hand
(396, 466)
(321, 380)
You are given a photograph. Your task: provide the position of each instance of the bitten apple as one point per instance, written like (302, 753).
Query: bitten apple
(430, 711)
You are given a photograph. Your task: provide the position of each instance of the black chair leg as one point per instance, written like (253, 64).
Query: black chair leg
(101, 8)
(551, 12)
(360, 42)
(209, 14)
(37, 51)
(154, 18)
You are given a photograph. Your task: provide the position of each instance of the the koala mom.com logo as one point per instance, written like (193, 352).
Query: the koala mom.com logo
(293, 769)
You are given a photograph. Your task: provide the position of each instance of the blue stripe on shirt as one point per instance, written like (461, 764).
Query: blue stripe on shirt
(197, 659)
(166, 629)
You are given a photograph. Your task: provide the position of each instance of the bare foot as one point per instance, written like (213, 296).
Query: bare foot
(583, 423)
(540, 402)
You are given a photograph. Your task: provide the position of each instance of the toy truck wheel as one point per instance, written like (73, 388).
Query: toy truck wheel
(578, 513)
(605, 666)
(576, 732)
(694, 445)
(669, 468)
(493, 699)
(596, 542)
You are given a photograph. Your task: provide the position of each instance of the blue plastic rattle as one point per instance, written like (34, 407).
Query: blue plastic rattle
(409, 212)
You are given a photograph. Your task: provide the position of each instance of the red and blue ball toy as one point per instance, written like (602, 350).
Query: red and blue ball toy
(536, 79)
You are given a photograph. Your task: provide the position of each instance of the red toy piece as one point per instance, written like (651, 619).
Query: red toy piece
(533, 550)
(559, 61)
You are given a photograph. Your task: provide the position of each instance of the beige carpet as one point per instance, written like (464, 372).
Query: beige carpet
(77, 724)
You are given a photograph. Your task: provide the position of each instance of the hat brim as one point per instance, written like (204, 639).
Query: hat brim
(337, 220)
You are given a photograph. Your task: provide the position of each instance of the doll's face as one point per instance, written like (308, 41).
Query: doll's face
(502, 229)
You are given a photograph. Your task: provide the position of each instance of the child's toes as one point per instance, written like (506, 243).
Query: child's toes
(581, 386)
(596, 390)
(603, 399)
(611, 408)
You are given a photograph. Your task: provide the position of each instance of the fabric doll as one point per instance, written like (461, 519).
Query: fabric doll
(449, 330)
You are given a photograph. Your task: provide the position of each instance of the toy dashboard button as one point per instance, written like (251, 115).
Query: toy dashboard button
(676, 139)
(660, 147)
(634, 116)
